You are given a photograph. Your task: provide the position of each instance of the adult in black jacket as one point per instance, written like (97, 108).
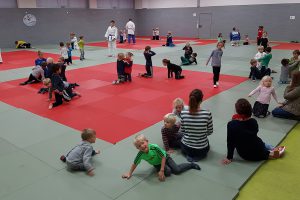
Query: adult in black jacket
(242, 135)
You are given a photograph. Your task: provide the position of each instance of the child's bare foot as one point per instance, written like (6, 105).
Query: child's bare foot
(50, 106)
(98, 151)
(78, 94)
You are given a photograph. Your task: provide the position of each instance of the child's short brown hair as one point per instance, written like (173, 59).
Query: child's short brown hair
(285, 62)
(268, 49)
(178, 102)
(81, 37)
(243, 107)
(253, 61)
(88, 133)
(147, 48)
(296, 52)
(61, 44)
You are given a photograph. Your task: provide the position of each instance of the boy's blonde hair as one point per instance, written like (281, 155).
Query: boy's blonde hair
(178, 102)
(49, 60)
(170, 117)
(88, 133)
(46, 81)
(264, 79)
(139, 138)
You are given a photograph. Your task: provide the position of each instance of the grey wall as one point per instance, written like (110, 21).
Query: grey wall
(181, 22)
(54, 25)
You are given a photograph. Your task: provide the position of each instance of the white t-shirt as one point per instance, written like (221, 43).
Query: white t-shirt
(111, 33)
(259, 55)
(64, 52)
(130, 27)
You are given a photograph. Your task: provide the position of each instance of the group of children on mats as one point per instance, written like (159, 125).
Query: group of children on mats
(186, 128)
(53, 76)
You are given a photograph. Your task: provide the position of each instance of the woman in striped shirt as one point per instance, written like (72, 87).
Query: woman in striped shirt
(196, 125)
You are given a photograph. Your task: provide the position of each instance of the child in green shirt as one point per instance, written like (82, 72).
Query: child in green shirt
(264, 61)
(81, 47)
(157, 157)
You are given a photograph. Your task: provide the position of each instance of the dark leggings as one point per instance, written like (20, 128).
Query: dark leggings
(149, 70)
(58, 100)
(32, 79)
(196, 154)
(216, 71)
(172, 168)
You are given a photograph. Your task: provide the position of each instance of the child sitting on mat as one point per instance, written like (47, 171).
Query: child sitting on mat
(149, 68)
(172, 68)
(157, 157)
(188, 50)
(191, 60)
(128, 66)
(170, 136)
(265, 91)
(37, 74)
(80, 157)
(178, 106)
(169, 42)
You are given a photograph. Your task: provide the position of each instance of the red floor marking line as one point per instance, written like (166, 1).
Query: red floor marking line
(114, 111)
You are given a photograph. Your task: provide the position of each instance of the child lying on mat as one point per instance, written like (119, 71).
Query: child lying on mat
(80, 157)
(170, 136)
(157, 157)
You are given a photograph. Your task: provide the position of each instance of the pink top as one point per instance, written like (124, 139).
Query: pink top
(264, 94)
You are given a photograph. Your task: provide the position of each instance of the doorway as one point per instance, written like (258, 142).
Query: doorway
(204, 25)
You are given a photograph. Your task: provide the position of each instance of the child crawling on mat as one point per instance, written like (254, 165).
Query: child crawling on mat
(157, 157)
(79, 157)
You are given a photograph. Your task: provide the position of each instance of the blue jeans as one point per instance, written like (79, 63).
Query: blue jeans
(129, 38)
(280, 113)
(269, 147)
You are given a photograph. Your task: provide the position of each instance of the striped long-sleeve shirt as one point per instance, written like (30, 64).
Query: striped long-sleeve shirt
(195, 128)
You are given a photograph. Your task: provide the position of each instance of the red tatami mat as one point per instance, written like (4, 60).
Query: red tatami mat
(23, 58)
(285, 46)
(114, 111)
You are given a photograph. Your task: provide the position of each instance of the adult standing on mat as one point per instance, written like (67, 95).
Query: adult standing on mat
(111, 37)
(130, 27)
(291, 107)
(196, 125)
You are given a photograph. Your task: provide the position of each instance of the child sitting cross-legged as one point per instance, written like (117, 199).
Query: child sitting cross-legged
(170, 136)
(157, 157)
(80, 157)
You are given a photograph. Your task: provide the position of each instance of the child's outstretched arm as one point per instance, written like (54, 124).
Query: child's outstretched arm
(161, 173)
(254, 91)
(129, 174)
(208, 60)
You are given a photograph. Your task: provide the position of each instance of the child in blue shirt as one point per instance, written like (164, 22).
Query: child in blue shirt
(69, 49)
